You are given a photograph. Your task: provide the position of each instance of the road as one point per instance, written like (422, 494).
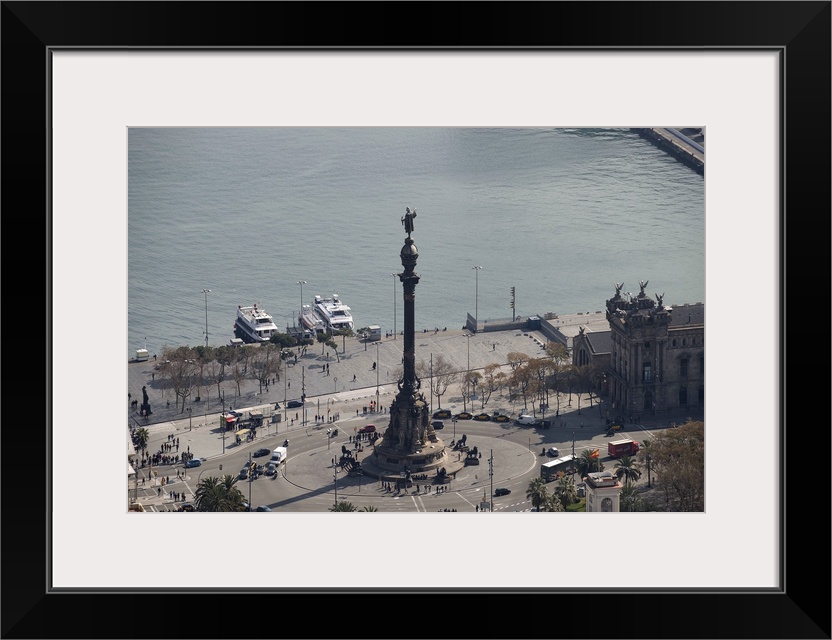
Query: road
(309, 482)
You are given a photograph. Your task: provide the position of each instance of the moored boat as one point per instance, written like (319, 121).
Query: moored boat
(334, 313)
(253, 324)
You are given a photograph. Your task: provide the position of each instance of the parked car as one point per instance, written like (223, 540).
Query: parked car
(195, 462)
(442, 414)
(482, 417)
(186, 506)
(502, 491)
(294, 404)
(370, 428)
(501, 418)
(552, 452)
(437, 424)
(261, 452)
(464, 415)
(544, 423)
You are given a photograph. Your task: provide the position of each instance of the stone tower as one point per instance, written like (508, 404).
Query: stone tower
(409, 444)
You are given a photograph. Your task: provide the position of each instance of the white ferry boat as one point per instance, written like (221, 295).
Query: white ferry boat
(253, 324)
(310, 321)
(334, 313)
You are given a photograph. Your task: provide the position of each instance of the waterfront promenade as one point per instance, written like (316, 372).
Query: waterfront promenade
(345, 393)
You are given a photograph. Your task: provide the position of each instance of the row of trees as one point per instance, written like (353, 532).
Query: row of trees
(530, 379)
(192, 371)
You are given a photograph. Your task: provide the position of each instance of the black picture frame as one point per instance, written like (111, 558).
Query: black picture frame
(800, 31)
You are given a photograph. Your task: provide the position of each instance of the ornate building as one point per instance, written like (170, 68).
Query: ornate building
(652, 360)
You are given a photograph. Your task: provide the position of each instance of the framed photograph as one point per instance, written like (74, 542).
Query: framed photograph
(79, 77)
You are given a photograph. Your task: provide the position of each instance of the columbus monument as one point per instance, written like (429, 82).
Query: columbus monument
(409, 444)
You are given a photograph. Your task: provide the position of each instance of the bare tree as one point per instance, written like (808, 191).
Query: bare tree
(489, 383)
(516, 358)
(443, 376)
(180, 372)
(265, 363)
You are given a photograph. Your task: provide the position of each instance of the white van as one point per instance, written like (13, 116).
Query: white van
(526, 419)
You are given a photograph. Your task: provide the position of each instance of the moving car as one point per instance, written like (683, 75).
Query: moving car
(243, 473)
(261, 452)
(370, 428)
(262, 507)
(552, 452)
(442, 414)
(437, 424)
(502, 491)
(195, 462)
(294, 404)
(186, 506)
(271, 469)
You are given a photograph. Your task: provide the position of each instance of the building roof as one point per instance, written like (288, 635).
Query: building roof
(599, 341)
(685, 314)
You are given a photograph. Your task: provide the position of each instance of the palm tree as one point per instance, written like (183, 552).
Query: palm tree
(140, 438)
(629, 499)
(553, 503)
(215, 494)
(566, 491)
(369, 509)
(627, 469)
(537, 493)
(343, 506)
(588, 464)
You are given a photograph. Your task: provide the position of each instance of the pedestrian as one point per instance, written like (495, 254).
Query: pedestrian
(494, 347)
(152, 376)
(353, 377)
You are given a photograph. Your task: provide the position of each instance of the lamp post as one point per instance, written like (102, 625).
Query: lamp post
(224, 423)
(190, 421)
(476, 269)
(394, 304)
(377, 370)
(206, 292)
(468, 372)
(335, 482)
(301, 283)
(335, 378)
(453, 419)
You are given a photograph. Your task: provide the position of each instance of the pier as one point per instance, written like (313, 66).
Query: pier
(677, 143)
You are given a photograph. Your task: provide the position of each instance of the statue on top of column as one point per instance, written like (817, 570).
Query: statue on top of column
(407, 221)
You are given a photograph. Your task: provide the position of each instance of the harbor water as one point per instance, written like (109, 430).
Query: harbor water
(247, 213)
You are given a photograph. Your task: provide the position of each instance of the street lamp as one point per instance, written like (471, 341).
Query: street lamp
(394, 304)
(335, 378)
(301, 283)
(476, 269)
(335, 481)
(453, 419)
(190, 421)
(468, 372)
(224, 423)
(377, 370)
(206, 292)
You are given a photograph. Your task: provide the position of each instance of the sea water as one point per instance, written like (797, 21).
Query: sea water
(248, 213)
